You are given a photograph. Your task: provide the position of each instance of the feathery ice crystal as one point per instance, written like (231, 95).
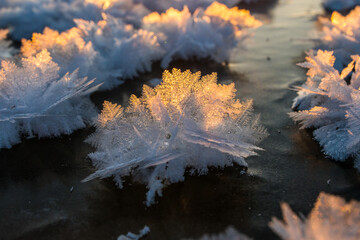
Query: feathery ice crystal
(331, 219)
(212, 32)
(110, 49)
(183, 123)
(342, 34)
(35, 100)
(328, 103)
(29, 16)
(105, 50)
(340, 5)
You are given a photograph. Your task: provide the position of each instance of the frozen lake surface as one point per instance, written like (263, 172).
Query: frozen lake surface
(42, 196)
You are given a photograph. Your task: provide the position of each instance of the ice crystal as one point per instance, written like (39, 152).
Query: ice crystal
(342, 34)
(131, 236)
(28, 16)
(340, 5)
(185, 123)
(329, 104)
(331, 219)
(34, 100)
(210, 33)
(107, 50)
(229, 234)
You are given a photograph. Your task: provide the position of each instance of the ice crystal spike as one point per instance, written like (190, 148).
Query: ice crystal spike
(331, 219)
(34, 100)
(329, 104)
(186, 122)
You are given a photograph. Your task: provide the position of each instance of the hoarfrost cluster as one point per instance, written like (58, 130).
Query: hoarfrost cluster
(35, 100)
(208, 33)
(109, 49)
(185, 123)
(342, 35)
(331, 219)
(27, 16)
(329, 101)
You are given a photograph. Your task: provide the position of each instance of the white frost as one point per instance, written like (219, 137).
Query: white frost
(207, 33)
(34, 100)
(329, 104)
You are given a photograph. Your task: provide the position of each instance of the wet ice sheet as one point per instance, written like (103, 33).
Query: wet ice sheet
(36, 177)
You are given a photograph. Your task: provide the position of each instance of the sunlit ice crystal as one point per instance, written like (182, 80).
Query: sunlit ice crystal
(212, 33)
(188, 122)
(332, 218)
(329, 101)
(36, 101)
(29, 16)
(342, 34)
(106, 50)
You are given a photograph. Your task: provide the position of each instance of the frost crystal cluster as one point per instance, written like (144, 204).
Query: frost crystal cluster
(28, 16)
(340, 5)
(110, 49)
(342, 34)
(210, 33)
(106, 50)
(185, 123)
(329, 101)
(331, 219)
(34, 100)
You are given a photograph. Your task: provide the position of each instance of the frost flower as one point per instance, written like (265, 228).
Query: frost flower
(210, 33)
(342, 34)
(331, 219)
(28, 16)
(185, 123)
(34, 100)
(105, 50)
(331, 105)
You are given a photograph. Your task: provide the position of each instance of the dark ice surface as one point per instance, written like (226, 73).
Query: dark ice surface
(41, 196)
